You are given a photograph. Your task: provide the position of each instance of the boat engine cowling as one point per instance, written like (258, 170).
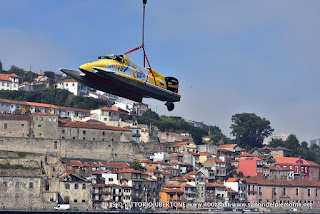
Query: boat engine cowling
(172, 84)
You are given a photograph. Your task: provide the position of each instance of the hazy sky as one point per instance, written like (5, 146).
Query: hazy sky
(230, 56)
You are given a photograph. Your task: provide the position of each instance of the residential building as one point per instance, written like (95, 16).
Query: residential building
(301, 190)
(140, 108)
(191, 158)
(134, 178)
(215, 192)
(189, 192)
(280, 152)
(73, 86)
(216, 169)
(301, 167)
(238, 185)
(208, 148)
(14, 107)
(277, 173)
(171, 193)
(75, 191)
(109, 116)
(25, 86)
(9, 82)
(276, 136)
(315, 141)
(251, 167)
(183, 146)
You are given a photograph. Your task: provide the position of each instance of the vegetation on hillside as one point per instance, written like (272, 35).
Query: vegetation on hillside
(57, 97)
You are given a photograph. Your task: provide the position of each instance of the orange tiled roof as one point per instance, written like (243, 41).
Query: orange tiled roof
(43, 114)
(215, 160)
(5, 77)
(126, 186)
(299, 182)
(25, 83)
(93, 164)
(246, 155)
(109, 109)
(170, 186)
(98, 172)
(189, 177)
(180, 179)
(42, 105)
(115, 164)
(180, 144)
(146, 161)
(206, 153)
(68, 80)
(153, 170)
(65, 175)
(293, 160)
(194, 153)
(165, 173)
(214, 184)
(169, 167)
(177, 154)
(129, 171)
(73, 163)
(227, 146)
(193, 173)
(100, 185)
(13, 102)
(232, 179)
(163, 163)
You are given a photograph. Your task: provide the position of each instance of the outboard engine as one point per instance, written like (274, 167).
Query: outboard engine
(172, 84)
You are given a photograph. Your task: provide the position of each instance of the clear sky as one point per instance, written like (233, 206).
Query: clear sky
(230, 57)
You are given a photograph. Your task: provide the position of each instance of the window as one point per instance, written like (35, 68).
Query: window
(260, 190)
(63, 131)
(22, 124)
(109, 114)
(110, 179)
(55, 145)
(297, 170)
(274, 190)
(30, 185)
(284, 191)
(84, 138)
(84, 186)
(103, 133)
(39, 125)
(67, 186)
(5, 125)
(316, 192)
(83, 201)
(66, 199)
(17, 184)
(83, 132)
(297, 191)
(75, 200)
(76, 186)
(309, 192)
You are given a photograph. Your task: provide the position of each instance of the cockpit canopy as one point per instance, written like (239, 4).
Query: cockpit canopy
(118, 58)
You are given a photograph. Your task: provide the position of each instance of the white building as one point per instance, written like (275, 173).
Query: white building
(238, 185)
(9, 82)
(109, 116)
(73, 86)
(276, 136)
(25, 86)
(315, 141)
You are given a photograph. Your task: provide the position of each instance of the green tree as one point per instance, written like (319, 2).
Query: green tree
(249, 129)
(277, 142)
(148, 117)
(136, 165)
(216, 134)
(240, 174)
(1, 68)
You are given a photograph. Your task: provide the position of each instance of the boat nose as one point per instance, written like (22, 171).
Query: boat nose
(87, 67)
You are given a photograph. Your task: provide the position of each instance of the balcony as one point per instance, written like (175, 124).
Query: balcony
(136, 135)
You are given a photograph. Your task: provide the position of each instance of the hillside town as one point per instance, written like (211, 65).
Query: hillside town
(100, 159)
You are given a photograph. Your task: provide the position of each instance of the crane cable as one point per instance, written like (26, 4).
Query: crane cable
(142, 46)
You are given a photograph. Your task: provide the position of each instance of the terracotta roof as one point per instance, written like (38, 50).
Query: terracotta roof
(115, 164)
(280, 168)
(68, 80)
(280, 148)
(113, 185)
(214, 184)
(292, 160)
(186, 185)
(5, 77)
(73, 163)
(65, 175)
(169, 167)
(153, 170)
(41, 74)
(193, 173)
(92, 126)
(232, 179)
(180, 144)
(246, 155)
(265, 148)
(163, 163)
(227, 146)
(215, 160)
(206, 153)
(146, 161)
(129, 171)
(109, 109)
(170, 186)
(25, 83)
(126, 186)
(94, 121)
(189, 177)
(15, 117)
(14, 102)
(179, 179)
(165, 173)
(230, 190)
(172, 190)
(98, 172)
(42, 105)
(63, 121)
